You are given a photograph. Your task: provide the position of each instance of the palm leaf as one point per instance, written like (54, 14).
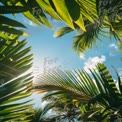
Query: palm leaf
(11, 30)
(111, 99)
(12, 9)
(8, 25)
(62, 11)
(87, 39)
(48, 9)
(15, 86)
(80, 84)
(98, 91)
(62, 31)
(35, 14)
(10, 22)
(109, 84)
(61, 81)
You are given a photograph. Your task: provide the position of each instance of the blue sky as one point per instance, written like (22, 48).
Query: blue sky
(51, 53)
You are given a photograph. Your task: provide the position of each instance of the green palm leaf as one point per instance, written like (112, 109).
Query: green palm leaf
(35, 13)
(8, 25)
(95, 91)
(14, 85)
(11, 30)
(62, 11)
(62, 31)
(63, 82)
(10, 22)
(85, 40)
(12, 9)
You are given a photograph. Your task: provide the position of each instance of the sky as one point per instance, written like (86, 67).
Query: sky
(52, 53)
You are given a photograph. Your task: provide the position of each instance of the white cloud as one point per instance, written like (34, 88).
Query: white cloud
(82, 56)
(91, 63)
(114, 46)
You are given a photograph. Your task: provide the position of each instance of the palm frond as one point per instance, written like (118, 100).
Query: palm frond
(15, 86)
(7, 21)
(86, 40)
(62, 31)
(95, 91)
(35, 13)
(63, 82)
(13, 9)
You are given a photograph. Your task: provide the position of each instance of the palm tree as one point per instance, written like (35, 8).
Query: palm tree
(82, 16)
(95, 95)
